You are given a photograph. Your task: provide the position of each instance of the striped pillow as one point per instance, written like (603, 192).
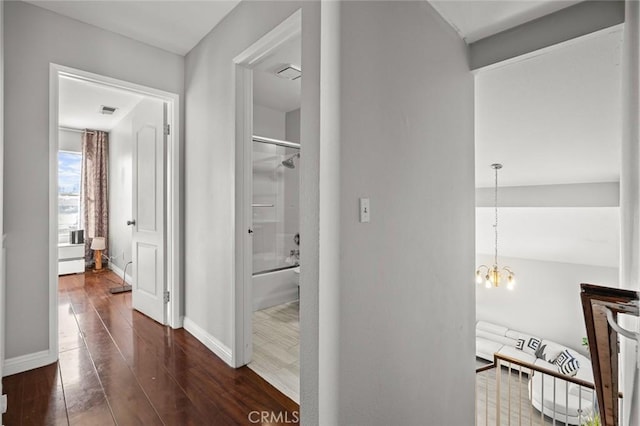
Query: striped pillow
(567, 364)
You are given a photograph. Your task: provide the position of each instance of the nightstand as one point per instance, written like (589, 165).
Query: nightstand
(70, 259)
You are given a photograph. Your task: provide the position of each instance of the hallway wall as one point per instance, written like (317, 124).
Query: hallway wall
(34, 38)
(403, 296)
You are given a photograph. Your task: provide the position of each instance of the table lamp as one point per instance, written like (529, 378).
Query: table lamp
(97, 245)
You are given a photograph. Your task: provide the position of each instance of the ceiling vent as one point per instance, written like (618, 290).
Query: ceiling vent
(107, 110)
(290, 72)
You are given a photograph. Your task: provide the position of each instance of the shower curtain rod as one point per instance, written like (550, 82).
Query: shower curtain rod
(278, 142)
(72, 129)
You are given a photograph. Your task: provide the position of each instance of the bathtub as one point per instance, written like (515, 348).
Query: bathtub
(275, 288)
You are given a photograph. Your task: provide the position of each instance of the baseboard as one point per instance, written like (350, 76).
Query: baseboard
(120, 272)
(289, 295)
(28, 362)
(214, 345)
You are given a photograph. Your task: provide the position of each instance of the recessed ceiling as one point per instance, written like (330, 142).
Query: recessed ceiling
(175, 26)
(586, 236)
(275, 92)
(475, 20)
(552, 118)
(80, 103)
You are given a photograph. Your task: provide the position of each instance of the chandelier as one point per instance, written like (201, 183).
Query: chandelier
(493, 276)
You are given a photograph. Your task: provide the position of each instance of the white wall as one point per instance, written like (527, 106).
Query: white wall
(268, 122)
(120, 191)
(630, 205)
(292, 126)
(3, 306)
(406, 309)
(69, 141)
(34, 38)
(546, 300)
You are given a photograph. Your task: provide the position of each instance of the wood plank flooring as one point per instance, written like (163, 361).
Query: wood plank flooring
(117, 366)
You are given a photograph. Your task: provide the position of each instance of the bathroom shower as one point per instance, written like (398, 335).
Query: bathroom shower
(288, 163)
(275, 204)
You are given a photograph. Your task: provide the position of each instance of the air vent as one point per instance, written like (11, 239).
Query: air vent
(107, 110)
(290, 72)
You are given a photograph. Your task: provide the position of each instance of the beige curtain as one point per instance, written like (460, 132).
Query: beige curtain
(95, 200)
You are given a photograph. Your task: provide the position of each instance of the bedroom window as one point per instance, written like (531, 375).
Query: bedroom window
(69, 184)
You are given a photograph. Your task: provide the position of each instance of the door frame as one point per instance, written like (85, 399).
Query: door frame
(243, 217)
(173, 257)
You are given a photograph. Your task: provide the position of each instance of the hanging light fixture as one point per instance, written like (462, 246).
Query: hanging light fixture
(493, 276)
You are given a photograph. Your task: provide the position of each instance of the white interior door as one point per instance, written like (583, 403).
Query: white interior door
(148, 251)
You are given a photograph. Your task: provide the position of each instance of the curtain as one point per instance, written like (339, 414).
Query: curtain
(95, 201)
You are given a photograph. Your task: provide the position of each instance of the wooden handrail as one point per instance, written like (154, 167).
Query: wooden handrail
(485, 368)
(497, 357)
(603, 341)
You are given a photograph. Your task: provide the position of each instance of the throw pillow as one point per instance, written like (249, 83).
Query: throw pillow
(562, 358)
(567, 363)
(533, 344)
(528, 344)
(570, 368)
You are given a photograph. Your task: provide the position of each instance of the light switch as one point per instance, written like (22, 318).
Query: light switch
(365, 210)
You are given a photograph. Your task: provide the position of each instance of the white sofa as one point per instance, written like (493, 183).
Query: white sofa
(570, 407)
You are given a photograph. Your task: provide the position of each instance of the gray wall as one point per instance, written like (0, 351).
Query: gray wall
(406, 308)
(34, 38)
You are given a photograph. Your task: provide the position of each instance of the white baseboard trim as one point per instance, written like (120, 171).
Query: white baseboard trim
(120, 272)
(27, 362)
(275, 299)
(214, 345)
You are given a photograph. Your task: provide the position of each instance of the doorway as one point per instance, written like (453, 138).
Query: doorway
(269, 152)
(138, 240)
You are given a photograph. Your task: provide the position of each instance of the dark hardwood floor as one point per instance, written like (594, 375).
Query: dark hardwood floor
(117, 366)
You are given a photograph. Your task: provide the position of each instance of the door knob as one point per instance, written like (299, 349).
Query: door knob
(250, 231)
(131, 222)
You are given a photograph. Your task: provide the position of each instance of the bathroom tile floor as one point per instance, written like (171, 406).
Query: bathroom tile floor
(276, 347)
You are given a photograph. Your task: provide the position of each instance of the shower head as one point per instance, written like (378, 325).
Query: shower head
(288, 163)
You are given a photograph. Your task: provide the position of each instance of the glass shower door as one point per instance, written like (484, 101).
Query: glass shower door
(276, 183)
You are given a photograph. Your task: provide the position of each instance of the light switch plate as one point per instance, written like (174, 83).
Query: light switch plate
(365, 210)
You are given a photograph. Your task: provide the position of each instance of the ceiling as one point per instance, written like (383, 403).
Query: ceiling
(478, 19)
(80, 102)
(176, 26)
(552, 118)
(274, 92)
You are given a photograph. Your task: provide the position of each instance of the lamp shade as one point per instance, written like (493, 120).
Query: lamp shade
(98, 243)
